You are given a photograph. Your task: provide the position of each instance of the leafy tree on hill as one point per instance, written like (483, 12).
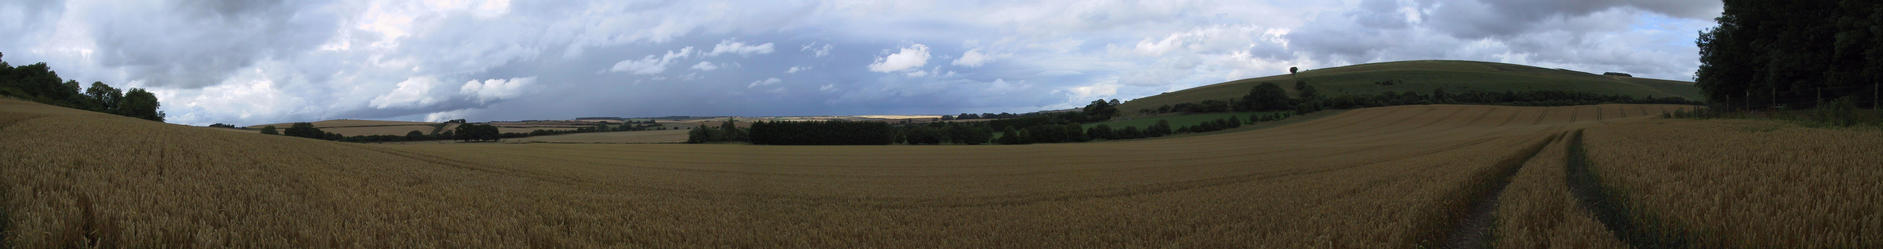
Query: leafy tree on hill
(37, 82)
(140, 104)
(1100, 110)
(414, 135)
(104, 98)
(478, 132)
(269, 130)
(1266, 97)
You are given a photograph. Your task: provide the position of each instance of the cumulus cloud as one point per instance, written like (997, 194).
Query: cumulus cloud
(739, 48)
(495, 89)
(447, 115)
(973, 58)
(796, 69)
(705, 66)
(651, 64)
(412, 92)
(763, 82)
(815, 50)
(913, 56)
(1092, 91)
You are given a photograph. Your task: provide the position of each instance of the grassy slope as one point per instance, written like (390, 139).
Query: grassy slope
(1425, 76)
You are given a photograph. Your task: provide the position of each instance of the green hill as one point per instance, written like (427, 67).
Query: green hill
(1425, 76)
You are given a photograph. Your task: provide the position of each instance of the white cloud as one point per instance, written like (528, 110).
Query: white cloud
(796, 69)
(705, 66)
(739, 48)
(816, 51)
(651, 64)
(495, 89)
(973, 58)
(413, 92)
(827, 88)
(1092, 91)
(913, 56)
(764, 82)
(447, 115)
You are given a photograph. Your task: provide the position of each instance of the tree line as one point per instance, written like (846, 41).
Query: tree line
(834, 132)
(1792, 54)
(37, 82)
(467, 132)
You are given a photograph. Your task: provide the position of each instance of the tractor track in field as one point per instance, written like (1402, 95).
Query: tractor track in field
(1474, 229)
(1606, 205)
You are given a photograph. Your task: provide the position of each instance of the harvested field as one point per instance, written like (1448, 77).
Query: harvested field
(616, 137)
(1743, 183)
(1392, 177)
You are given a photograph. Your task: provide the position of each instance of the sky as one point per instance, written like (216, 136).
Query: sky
(257, 62)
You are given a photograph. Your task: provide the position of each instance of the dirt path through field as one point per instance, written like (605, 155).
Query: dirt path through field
(1607, 208)
(1475, 230)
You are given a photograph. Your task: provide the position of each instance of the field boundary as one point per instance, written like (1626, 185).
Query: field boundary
(1608, 207)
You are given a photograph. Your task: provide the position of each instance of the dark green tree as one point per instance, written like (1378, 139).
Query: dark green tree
(104, 98)
(138, 103)
(303, 129)
(1100, 110)
(270, 130)
(1266, 97)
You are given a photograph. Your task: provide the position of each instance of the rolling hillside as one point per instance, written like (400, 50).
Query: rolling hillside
(1425, 76)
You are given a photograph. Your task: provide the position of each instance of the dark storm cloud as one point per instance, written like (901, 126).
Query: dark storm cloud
(1475, 19)
(1582, 35)
(202, 47)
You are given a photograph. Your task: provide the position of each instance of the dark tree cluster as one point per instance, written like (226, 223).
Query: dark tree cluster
(478, 132)
(222, 125)
(945, 133)
(980, 116)
(1792, 54)
(1213, 125)
(727, 131)
(1161, 128)
(37, 82)
(834, 132)
(306, 130)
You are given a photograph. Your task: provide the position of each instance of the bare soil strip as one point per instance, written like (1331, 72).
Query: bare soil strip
(1607, 207)
(1474, 230)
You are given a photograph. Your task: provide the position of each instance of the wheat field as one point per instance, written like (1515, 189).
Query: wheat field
(1392, 177)
(1746, 184)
